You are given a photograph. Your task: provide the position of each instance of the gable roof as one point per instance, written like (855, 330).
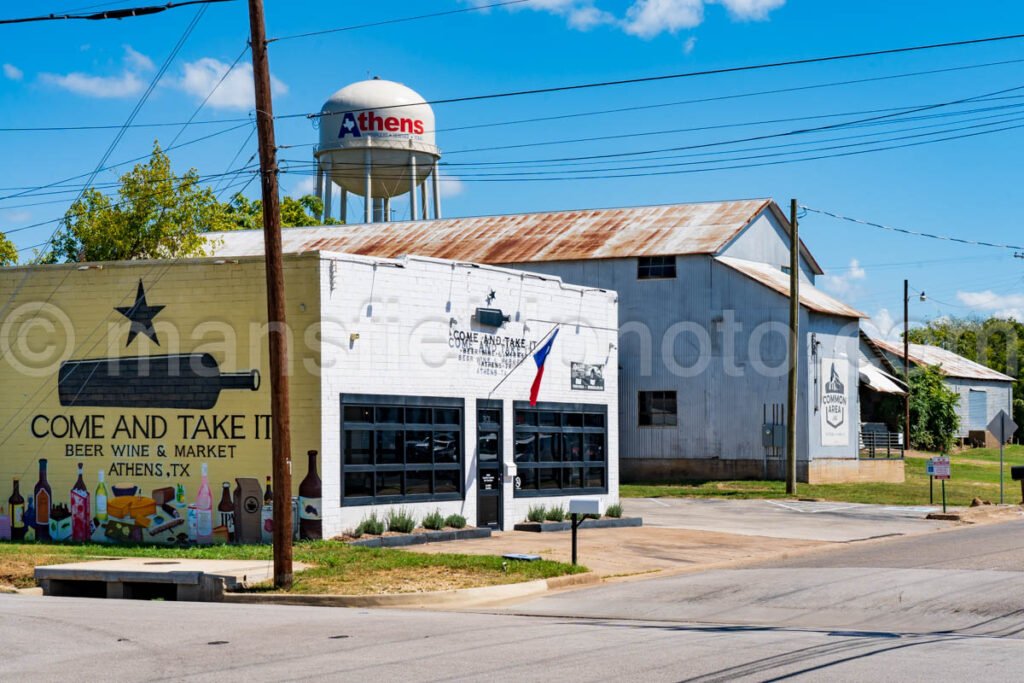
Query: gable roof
(675, 229)
(954, 365)
(772, 277)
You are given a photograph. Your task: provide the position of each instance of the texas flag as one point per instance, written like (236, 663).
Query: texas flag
(539, 357)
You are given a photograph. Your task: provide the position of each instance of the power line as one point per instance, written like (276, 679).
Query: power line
(694, 74)
(399, 20)
(905, 231)
(123, 13)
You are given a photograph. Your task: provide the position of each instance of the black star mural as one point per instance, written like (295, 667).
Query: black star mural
(141, 314)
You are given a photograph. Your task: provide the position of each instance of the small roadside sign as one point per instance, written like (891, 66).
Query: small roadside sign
(1002, 427)
(939, 468)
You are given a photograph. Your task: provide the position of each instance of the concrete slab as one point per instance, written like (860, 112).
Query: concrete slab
(789, 519)
(142, 577)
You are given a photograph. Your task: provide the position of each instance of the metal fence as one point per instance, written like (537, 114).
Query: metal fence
(876, 441)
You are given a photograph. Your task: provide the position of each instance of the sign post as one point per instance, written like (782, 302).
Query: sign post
(1001, 425)
(938, 468)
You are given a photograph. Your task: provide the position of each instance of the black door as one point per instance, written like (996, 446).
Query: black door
(489, 438)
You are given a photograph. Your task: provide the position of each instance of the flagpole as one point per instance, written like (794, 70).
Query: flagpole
(523, 359)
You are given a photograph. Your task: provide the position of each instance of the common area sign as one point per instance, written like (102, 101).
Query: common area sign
(939, 467)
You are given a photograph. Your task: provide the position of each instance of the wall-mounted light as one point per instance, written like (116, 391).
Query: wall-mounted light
(353, 337)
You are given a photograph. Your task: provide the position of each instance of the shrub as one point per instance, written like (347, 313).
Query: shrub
(434, 521)
(536, 513)
(933, 418)
(555, 514)
(614, 510)
(401, 521)
(372, 525)
(455, 521)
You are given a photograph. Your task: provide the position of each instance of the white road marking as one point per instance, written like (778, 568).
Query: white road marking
(661, 503)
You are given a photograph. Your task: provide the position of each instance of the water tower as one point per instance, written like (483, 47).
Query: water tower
(377, 141)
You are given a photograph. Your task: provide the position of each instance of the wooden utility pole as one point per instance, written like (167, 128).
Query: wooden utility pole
(794, 347)
(906, 365)
(278, 340)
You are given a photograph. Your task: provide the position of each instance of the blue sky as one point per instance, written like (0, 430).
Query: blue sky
(92, 73)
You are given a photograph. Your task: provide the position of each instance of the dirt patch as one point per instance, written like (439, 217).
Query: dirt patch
(403, 580)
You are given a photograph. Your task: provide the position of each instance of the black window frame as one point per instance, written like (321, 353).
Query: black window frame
(656, 268)
(491, 405)
(663, 395)
(435, 407)
(532, 472)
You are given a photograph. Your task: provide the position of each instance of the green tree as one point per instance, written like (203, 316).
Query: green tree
(8, 253)
(934, 422)
(247, 214)
(156, 214)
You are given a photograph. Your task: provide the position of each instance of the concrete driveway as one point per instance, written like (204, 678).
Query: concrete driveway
(789, 519)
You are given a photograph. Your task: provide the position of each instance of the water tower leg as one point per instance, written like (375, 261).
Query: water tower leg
(368, 209)
(423, 199)
(344, 205)
(387, 209)
(328, 191)
(437, 191)
(320, 190)
(378, 210)
(412, 187)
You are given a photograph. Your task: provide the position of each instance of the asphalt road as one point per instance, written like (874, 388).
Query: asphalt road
(944, 606)
(87, 640)
(967, 580)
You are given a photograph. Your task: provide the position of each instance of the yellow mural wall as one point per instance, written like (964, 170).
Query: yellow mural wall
(125, 381)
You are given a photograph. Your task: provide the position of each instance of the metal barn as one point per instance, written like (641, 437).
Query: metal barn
(983, 391)
(703, 322)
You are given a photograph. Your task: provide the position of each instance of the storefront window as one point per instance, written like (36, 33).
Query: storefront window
(400, 448)
(560, 449)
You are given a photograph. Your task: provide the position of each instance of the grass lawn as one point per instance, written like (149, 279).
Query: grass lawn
(975, 474)
(337, 568)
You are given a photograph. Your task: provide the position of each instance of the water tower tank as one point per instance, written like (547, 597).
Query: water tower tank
(377, 141)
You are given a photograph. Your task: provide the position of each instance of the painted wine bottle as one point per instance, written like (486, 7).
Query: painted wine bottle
(268, 493)
(204, 510)
(43, 496)
(101, 499)
(16, 509)
(81, 511)
(310, 492)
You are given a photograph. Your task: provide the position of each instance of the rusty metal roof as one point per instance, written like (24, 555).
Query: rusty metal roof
(954, 365)
(702, 228)
(773, 278)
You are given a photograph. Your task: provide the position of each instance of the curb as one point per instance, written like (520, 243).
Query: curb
(609, 523)
(460, 597)
(406, 540)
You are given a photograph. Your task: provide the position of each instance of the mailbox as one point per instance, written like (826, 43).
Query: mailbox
(1017, 473)
(584, 507)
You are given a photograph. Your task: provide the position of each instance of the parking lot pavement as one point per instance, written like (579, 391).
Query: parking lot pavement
(804, 520)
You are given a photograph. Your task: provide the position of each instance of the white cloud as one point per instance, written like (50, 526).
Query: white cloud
(883, 326)
(12, 72)
(15, 216)
(689, 45)
(751, 10)
(648, 18)
(236, 92)
(135, 59)
(645, 18)
(844, 284)
(451, 186)
(305, 185)
(999, 305)
(588, 17)
(125, 84)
